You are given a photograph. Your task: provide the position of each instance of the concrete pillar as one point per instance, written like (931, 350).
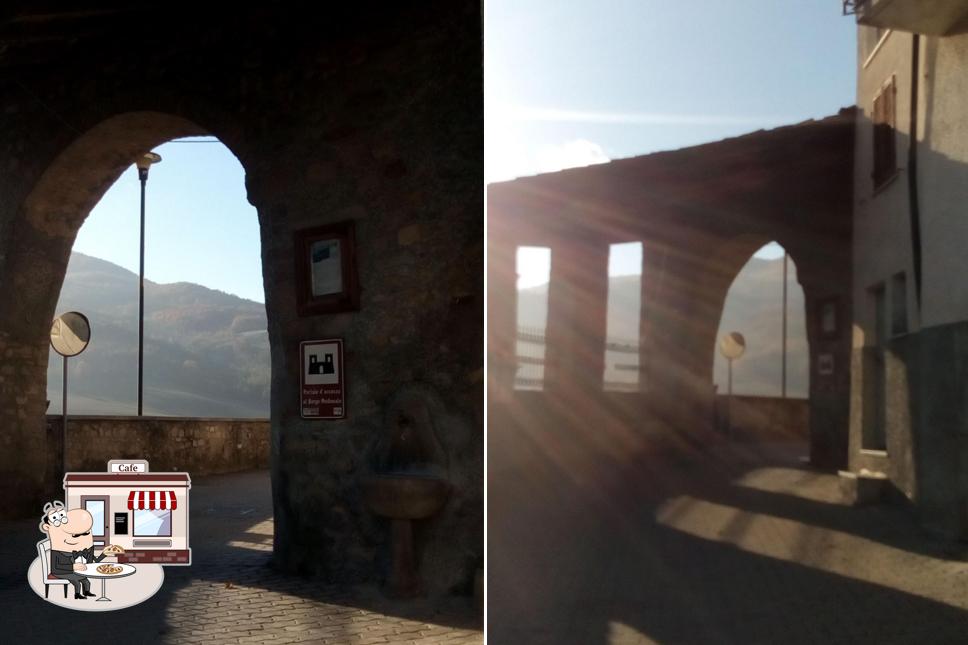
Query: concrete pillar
(653, 267)
(680, 335)
(830, 377)
(577, 414)
(577, 308)
(501, 312)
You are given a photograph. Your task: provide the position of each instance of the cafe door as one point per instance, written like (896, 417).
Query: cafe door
(100, 511)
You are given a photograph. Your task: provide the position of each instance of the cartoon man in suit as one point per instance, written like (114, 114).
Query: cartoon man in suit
(71, 545)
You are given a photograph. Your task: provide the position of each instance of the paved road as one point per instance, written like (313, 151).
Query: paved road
(230, 595)
(749, 547)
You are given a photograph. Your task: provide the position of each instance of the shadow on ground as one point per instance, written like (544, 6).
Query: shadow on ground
(230, 585)
(711, 543)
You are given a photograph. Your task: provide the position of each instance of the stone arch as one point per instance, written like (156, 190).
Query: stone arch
(73, 183)
(38, 250)
(723, 270)
(796, 320)
(703, 283)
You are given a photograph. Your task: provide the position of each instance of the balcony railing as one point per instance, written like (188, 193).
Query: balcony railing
(530, 373)
(936, 18)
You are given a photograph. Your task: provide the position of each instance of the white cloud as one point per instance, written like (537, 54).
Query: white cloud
(572, 154)
(507, 154)
(506, 158)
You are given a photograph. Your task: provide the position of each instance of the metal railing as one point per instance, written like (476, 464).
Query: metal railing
(537, 336)
(851, 7)
(533, 366)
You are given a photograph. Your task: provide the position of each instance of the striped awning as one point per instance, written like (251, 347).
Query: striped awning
(152, 500)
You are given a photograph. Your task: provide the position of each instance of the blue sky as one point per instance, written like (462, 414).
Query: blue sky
(573, 83)
(629, 77)
(567, 84)
(199, 225)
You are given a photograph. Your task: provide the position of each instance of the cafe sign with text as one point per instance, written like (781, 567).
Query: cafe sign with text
(322, 387)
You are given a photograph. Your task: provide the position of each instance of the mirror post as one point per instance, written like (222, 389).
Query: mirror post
(70, 334)
(731, 346)
(64, 420)
(729, 400)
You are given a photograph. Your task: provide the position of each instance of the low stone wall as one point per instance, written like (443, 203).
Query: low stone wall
(765, 418)
(198, 446)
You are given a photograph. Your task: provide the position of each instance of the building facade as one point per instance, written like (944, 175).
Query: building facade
(910, 302)
(365, 117)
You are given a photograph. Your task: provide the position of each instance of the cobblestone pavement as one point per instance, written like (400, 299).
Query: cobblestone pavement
(748, 547)
(230, 595)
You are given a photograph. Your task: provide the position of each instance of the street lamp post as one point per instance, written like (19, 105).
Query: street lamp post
(144, 163)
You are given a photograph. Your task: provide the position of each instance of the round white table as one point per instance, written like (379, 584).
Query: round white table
(92, 572)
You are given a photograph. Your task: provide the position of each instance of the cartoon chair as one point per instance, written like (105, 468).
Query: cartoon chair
(43, 550)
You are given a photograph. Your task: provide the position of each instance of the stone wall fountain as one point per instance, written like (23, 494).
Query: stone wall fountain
(409, 482)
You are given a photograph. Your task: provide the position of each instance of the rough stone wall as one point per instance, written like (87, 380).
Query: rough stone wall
(194, 445)
(22, 436)
(765, 418)
(411, 183)
(372, 114)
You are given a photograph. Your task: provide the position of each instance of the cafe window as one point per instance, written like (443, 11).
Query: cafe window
(885, 141)
(152, 512)
(156, 523)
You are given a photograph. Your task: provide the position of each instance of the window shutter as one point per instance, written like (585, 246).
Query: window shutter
(885, 159)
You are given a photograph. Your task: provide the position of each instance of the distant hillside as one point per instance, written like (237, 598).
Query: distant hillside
(753, 307)
(206, 352)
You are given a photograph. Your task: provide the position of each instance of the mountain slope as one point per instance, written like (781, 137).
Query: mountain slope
(206, 351)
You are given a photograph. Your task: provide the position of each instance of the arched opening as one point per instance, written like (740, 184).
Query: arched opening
(74, 182)
(206, 350)
(769, 383)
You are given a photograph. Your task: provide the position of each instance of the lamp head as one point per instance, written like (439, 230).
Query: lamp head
(144, 162)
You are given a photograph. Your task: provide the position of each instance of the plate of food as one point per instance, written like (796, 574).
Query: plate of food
(109, 569)
(113, 549)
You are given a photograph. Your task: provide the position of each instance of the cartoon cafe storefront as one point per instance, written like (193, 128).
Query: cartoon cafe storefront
(145, 513)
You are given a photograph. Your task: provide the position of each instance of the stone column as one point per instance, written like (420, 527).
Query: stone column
(677, 339)
(32, 271)
(651, 325)
(501, 311)
(830, 376)
(577, 308)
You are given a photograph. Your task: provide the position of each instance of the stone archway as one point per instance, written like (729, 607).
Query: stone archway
(352, 115)
(38, 250)
(754, 308)
(700, 212)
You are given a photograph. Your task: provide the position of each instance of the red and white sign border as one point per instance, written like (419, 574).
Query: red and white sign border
(302, 375)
